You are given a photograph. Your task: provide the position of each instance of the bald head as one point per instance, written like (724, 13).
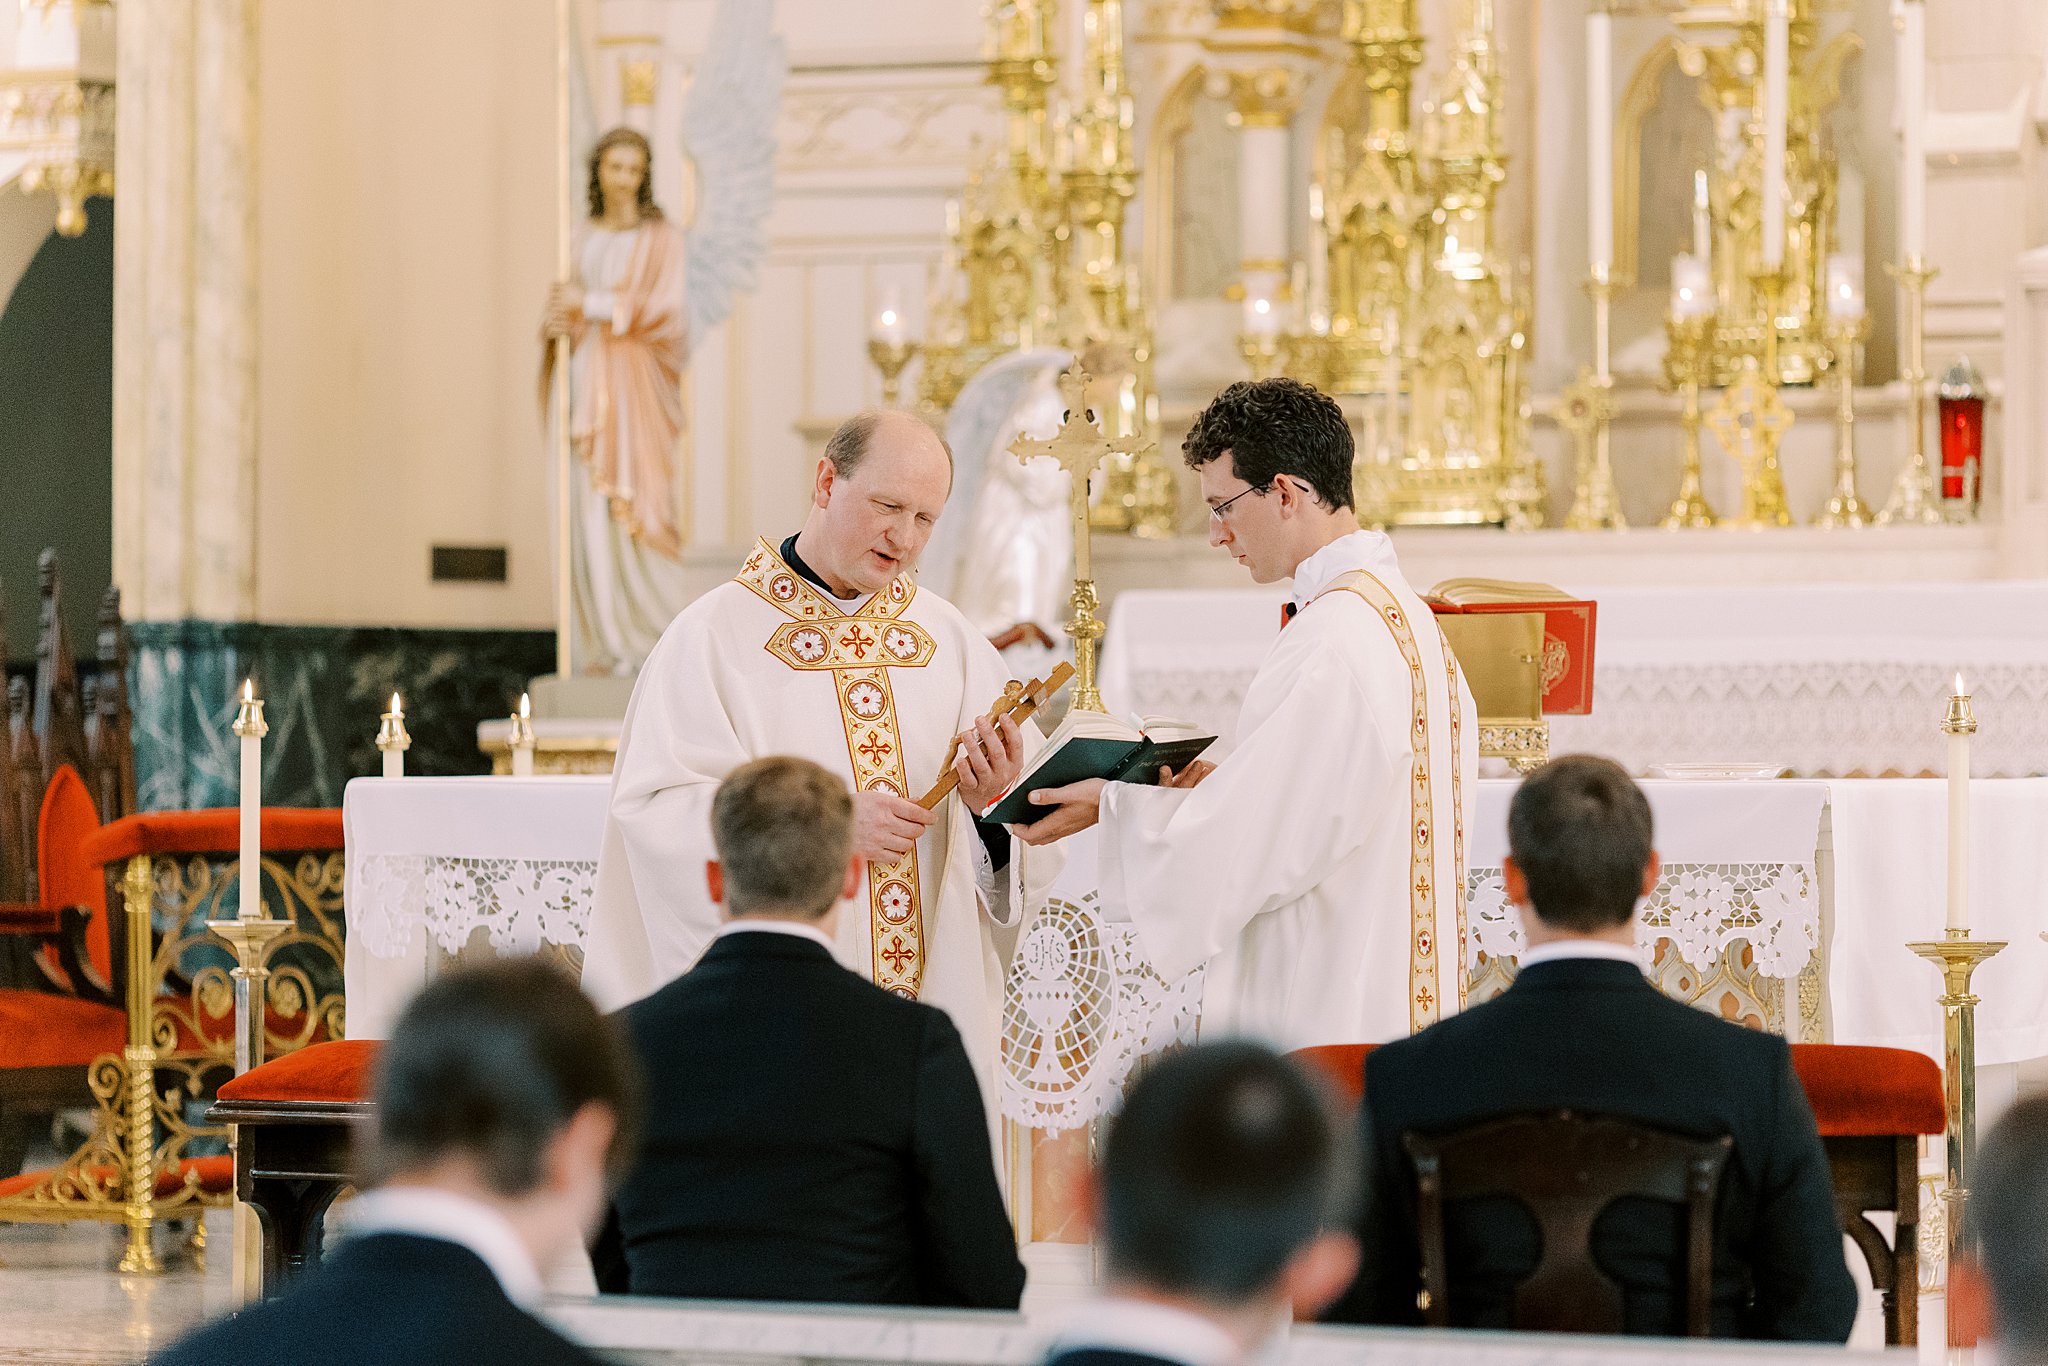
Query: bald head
(879, 491)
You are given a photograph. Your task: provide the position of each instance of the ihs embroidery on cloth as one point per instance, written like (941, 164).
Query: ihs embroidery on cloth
(858, 650)
(1425, 1000)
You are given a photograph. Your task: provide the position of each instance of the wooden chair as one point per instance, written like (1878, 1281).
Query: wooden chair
(1565, 1169)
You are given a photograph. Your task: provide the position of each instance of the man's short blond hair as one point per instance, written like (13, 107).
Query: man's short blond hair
(848, 445)
(783, 828)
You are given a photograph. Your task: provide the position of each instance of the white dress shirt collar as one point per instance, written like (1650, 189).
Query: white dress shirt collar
(763, 925)
(1359, 550)
(428, 1212)
(1118, 1324)
(1558, 949)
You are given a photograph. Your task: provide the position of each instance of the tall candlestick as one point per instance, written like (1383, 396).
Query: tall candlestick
(1777, 79)
(521, 739)
(1702, 219)
(1845, 287)
(392, 739)
(1692, 289)
(251, 727)
(1959, 725)
(1600, 135)
(1910, 19)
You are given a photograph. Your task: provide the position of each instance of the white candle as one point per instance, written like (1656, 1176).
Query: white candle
(1959, 817)
(1777, 76)
(394, 752)
(1910, 18)
(1702, 218)
(1318, 293)
(1845, 287)
(522, 740)
(1600, 136)
(1261, 319)
(1692, 291)
(250, 727)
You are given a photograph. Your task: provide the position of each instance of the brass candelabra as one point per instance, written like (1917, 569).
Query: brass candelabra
(1683, 363)
(1845, 507)
(1957, 955)
(1912, 501)
(1586, 409)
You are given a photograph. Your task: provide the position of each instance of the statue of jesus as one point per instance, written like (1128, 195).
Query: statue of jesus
(624, 316)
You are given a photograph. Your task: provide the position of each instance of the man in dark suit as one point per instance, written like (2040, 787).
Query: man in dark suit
(811, 1137)
(504, 1100)
(1999, 1292)
(1221, 1204)
(1581, 1028)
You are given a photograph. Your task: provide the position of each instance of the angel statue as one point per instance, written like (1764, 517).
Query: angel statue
(640, 294)
(1004, 551)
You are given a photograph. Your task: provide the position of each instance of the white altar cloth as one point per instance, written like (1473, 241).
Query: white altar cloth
(1827, 679)
(433, 860)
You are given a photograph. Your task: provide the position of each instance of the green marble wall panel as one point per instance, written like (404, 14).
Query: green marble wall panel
(323, 689)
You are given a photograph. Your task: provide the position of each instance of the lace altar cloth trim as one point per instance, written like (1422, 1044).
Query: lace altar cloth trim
(1825, 718)
(1081, 1007)
(522, 904)
(1703, 909)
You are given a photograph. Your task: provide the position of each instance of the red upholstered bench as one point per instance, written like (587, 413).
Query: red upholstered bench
(1871, 1106)
(295, 1124)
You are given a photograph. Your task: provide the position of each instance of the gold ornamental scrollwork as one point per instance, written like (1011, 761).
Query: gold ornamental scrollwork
(1266, 96)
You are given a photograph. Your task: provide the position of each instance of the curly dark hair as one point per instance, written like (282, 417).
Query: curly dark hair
(624, 137)
(1276, 426)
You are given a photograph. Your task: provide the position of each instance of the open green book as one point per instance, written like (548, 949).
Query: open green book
(1093, 744)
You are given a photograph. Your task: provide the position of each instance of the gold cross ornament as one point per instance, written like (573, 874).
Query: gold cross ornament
(1079, 447)
(1749, 421)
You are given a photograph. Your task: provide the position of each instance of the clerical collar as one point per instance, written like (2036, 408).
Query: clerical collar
(810, 575)
(1359, 550)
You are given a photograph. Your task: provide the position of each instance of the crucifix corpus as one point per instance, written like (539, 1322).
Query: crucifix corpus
(1079, 448)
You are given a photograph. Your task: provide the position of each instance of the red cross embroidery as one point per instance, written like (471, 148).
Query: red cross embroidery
(896, 955)
(856, 643)
(877, 749)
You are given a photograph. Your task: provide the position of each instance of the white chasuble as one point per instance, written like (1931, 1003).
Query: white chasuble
(1319, 871)
(874, 691)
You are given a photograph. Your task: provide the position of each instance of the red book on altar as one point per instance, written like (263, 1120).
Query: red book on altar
(1568, 629)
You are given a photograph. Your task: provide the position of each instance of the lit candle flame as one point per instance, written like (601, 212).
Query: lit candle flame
(397, 707)
(1959, 684)
(888, 318)
(525, 707)
(1262, 306)
(248, 690)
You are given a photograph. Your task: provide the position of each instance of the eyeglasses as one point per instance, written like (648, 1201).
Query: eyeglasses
(1216, 513)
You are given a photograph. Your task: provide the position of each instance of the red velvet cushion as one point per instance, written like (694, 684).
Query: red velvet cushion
(65, 876)
(338, 1071)
(285, 829)
(216, 1176)
(1859, 1090)
(39, 1029)
(1340, 1064)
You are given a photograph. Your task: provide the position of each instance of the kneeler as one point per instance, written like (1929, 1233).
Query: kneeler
(296, 1123)
(1871, 1105)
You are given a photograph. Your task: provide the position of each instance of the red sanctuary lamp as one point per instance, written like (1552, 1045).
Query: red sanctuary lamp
(1962, 438)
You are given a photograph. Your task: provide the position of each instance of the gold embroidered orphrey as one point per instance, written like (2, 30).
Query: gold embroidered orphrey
(1425, 1004)
(858, 651)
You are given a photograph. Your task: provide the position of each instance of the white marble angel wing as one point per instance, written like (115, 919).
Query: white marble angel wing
(729, 132)
(980, 428)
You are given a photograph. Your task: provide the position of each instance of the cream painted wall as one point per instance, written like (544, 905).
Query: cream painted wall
(406, 197)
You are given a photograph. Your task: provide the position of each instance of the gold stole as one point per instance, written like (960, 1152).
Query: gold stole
(859, 650)
(1424, 1005)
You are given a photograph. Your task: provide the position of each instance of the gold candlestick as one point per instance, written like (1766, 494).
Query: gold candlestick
(891, 358)
(1079, 447)
(1586, 409)
(1912, 502)
(1845, 508)
(1958, 956)
(251, 940)
(1682, 365)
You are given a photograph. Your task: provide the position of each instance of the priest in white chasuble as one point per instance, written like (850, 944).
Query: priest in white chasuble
(1318, 870)
(823, 647)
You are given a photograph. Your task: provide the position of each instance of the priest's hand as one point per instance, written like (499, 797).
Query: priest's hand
(886, 826)
(991, 757)
(1077, 806)
(1191, 773)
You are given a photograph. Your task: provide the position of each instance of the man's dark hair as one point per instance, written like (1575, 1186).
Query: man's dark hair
(491, 1062)
(1579, 829)
(848, 445)
(1224, 1163)
(783, 828)
(2009, 1206)
(1276, 426)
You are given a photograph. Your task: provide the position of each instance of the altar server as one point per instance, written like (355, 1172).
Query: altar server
(825, 648)
(1318, 871)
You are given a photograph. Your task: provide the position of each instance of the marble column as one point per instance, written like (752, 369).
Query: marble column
(185, 311)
